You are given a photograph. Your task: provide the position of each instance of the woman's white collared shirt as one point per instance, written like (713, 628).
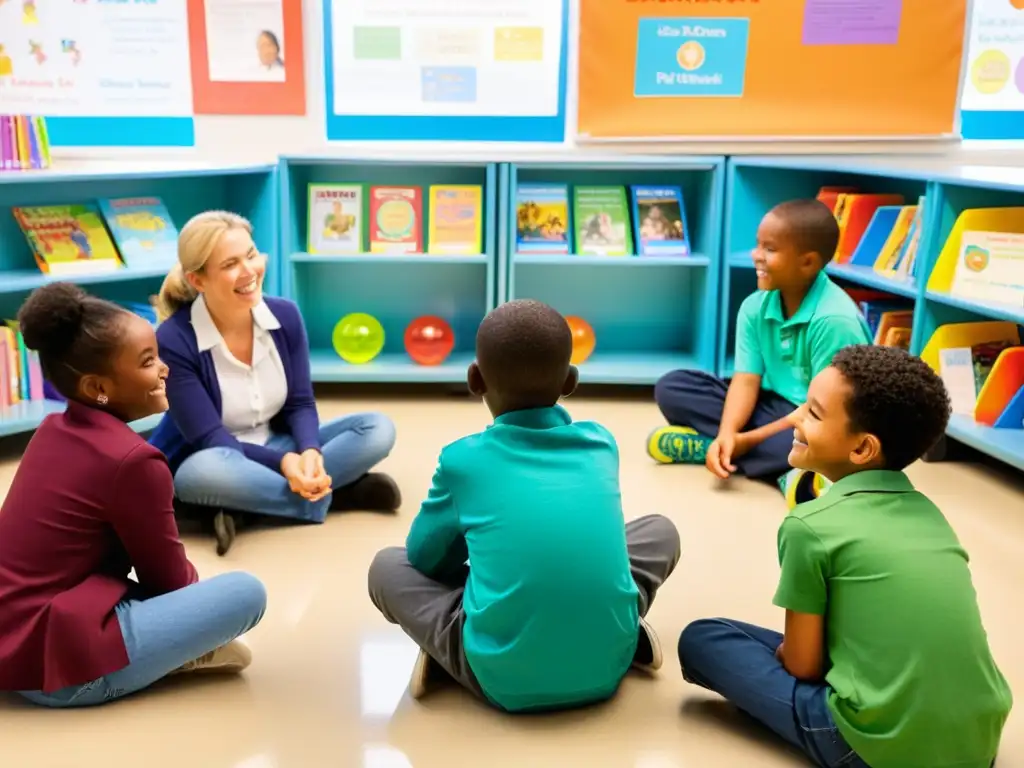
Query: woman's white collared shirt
(251, 395)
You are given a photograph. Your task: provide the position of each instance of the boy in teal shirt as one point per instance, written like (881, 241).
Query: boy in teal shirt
(786, 333)
(884, 662)
(519, 577)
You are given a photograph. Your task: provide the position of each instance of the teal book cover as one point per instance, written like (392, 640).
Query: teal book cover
(601, 217)
(142, 230)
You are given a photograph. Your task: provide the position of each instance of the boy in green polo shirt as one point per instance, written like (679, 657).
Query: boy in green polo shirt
(884, 662)
(548, 611)
(786, 333)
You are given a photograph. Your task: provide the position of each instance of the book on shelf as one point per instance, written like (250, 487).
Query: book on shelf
(542, 218)
(964, 370)
(990, 267)
(143, 231)
(890, 256)
(659, 218)
(853, 213)
(830, 195)
(396, 220)
(336, 221)
(601, 218)
(24, 143)
(21, 377)
(888, 320)
(68, 239)
(897, 337)
(456, 219)
(874, 310)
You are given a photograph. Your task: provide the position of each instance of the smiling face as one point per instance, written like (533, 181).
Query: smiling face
(823, 438)
(266, 49)
(778, 261)
(232, 279)
(134, 385)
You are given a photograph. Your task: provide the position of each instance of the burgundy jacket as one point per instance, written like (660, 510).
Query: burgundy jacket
(90, 501)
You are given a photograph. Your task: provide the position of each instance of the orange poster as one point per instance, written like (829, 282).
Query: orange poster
(247, 57)
(768, 68)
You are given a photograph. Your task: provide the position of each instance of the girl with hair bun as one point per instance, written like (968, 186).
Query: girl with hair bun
(90, 501)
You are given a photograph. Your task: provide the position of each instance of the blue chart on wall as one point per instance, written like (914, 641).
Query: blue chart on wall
(429, 76)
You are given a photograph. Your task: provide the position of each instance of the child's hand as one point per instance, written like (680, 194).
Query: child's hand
(719, 458)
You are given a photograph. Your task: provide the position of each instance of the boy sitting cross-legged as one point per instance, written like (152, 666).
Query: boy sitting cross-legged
(884, 662)
(786, 333)
(519, 578)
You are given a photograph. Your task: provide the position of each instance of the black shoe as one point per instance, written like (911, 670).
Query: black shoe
(373, 492)
(224, 530)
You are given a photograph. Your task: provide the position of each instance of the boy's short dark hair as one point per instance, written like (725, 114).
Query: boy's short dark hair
(896, 397)
(812, 226)
(523, 348)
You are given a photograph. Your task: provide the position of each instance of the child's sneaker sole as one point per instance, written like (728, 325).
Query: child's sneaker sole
(230, 658)
(648, 653)
(799, 486)
(677, 445)
(420, 676)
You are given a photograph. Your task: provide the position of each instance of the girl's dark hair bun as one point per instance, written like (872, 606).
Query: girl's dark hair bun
(51, 318)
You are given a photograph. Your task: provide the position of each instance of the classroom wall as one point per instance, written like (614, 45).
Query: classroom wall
(245, 139)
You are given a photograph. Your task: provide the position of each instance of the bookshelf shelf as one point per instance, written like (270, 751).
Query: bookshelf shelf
(650, 314)
(25, 417)
(755, 184)
(393, 288)
(186, 189)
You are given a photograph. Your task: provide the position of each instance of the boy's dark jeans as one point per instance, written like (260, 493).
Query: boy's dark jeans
(738, 661)
(695, 399)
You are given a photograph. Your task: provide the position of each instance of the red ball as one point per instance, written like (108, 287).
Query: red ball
(429, 340)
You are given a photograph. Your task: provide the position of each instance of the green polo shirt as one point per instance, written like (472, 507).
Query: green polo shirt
(551, 605)
(788, 352)
(912, 680)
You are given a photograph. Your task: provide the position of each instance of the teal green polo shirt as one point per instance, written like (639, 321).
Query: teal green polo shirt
(788, 352)
(551, 606)
(912, 680)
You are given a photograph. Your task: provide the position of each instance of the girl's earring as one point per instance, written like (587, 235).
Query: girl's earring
(102, 400)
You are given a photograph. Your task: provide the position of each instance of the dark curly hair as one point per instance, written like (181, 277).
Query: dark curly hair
(896, 397)
(812, 225)
(74, 333)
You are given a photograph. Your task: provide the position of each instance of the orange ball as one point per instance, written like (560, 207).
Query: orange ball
(1018, 4)
(429, 340)
(583, 339)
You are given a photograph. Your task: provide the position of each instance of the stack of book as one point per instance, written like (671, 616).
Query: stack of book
(24, 143)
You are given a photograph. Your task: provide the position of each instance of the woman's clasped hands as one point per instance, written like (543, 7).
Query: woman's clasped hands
(306, 475)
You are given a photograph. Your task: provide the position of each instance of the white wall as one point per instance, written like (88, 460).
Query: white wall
(245, 139)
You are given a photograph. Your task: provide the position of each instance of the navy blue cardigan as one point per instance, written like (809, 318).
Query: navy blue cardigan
(194, 421)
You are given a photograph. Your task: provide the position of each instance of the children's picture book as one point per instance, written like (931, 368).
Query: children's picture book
(142, 230)
(874, 310)
(897, 337)
(336, 219)
(659, 217)
(68, 239)
(601, 219)
(456, 219)
(542, 218)
(990, 267)
(396, 220)
(830, 196)
(888, 260)
(900, 318)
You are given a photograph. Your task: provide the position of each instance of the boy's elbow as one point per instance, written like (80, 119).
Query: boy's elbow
(803, 670)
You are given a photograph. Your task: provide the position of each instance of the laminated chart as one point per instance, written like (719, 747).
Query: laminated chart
(451, 59)
(992, 105)
(103, 74)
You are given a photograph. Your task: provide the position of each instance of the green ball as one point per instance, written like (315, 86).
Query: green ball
(358, 338)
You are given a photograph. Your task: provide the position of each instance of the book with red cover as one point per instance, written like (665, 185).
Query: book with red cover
(396, 220)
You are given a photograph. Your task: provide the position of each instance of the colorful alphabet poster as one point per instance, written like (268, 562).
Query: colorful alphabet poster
(992, 104)
(103, 72)
(763, 69)
(486, 70)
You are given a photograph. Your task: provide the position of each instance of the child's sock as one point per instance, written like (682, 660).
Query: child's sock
(678, 445)
(799, 486)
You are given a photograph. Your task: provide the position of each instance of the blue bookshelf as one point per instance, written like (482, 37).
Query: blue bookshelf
(650, 314)
(394, 289)
(250, 190)
(755, 184)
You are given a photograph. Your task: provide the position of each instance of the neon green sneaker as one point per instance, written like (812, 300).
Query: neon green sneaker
(799, 486)
(678, 445)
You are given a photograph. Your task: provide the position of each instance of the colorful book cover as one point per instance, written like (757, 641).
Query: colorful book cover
(601, 221)
(68, 239)
(35, 156)
(21, 132)
(6, 147)
(44, 140)
(5, 390)
(897, 337)
(900, 318)
(396, 220)
(659, 216)
(12, 377)
(336, 219)
(542, 218)
(873, 311)
(456, 219)
(889, 257)
(143, 231)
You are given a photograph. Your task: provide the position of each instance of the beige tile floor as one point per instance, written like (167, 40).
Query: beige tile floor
(327, 684)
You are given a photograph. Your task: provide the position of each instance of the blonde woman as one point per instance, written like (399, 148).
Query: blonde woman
(242, 433)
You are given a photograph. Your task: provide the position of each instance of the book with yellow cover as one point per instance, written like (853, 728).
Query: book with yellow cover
(68, 239)
(889, 257)
(455, 219)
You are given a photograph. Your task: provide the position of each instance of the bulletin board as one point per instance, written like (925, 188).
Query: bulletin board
(755, 69)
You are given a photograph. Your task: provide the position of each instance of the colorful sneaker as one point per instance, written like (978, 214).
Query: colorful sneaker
(799, 486)
(648, 649)
(230, 658)
(678, 445)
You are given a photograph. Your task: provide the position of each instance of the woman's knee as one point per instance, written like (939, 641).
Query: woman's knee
(204, 470)
(383, 434)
